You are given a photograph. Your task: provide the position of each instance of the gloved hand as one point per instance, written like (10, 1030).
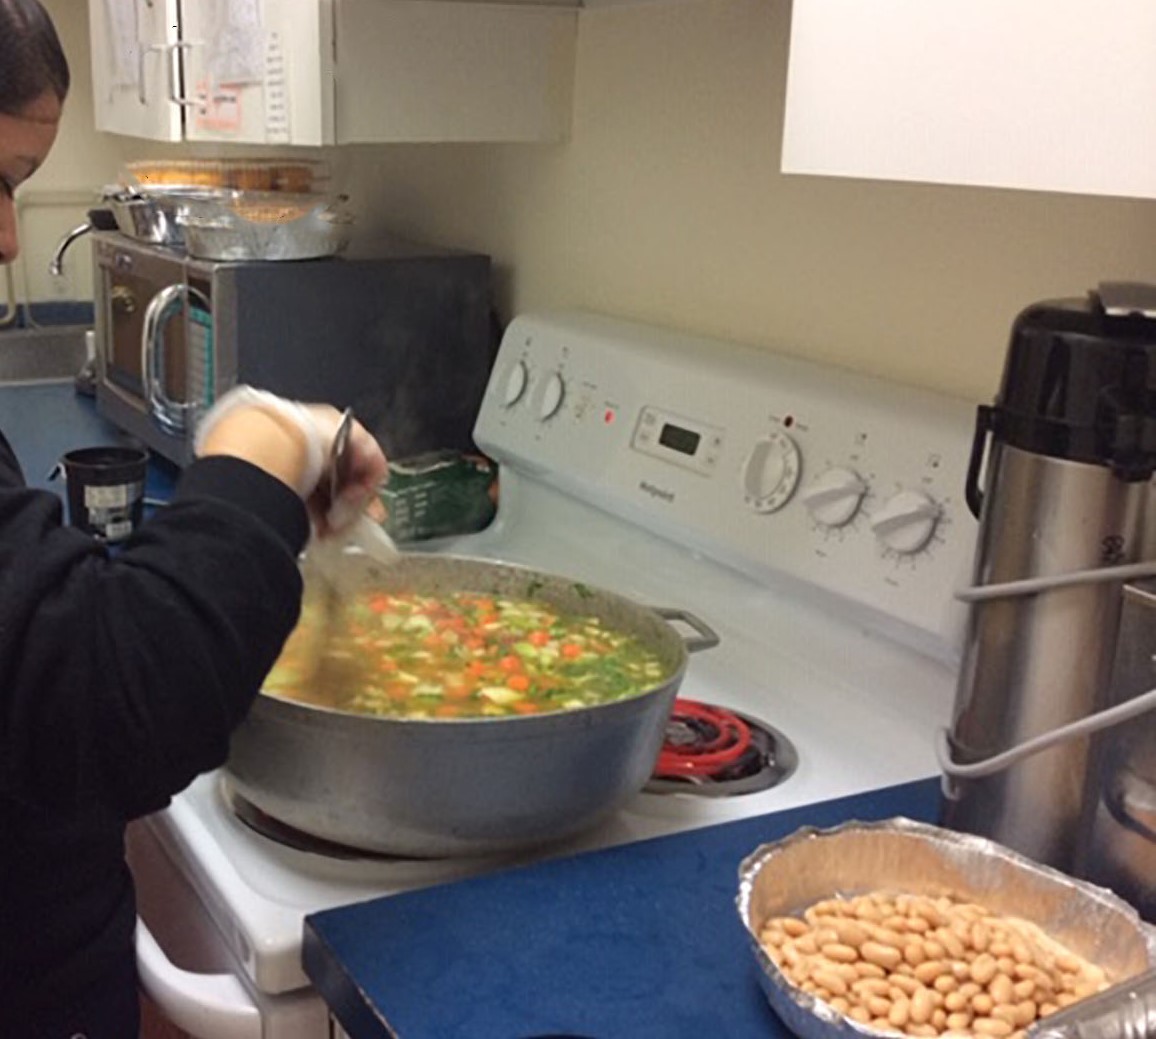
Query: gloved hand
(292, 442)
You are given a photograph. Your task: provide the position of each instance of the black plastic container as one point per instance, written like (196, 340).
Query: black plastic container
(105, 490)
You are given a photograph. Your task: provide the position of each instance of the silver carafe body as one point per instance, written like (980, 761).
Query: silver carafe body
(1119, 850)
(1034, 663)
(1059, 479)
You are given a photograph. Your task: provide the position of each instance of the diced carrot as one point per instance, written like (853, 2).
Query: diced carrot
(459, 691)
(510, 663)
(570, 650)
(475, 668)
(519, 683)
(379, 603)
(475, 643)
(526, 707)
(538, 638)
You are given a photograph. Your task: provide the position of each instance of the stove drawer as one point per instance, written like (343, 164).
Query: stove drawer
(188, 972)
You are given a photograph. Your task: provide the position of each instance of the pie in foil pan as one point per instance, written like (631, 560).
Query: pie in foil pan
(900, 855)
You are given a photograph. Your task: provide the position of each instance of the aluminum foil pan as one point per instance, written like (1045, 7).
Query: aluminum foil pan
(154, 215)
(785, 877)
(267, 226)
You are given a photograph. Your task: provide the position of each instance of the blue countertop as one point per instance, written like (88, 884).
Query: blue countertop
(641, 941)
(43, 420)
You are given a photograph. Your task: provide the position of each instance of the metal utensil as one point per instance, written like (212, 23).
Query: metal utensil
(362, 534)
(326, 557)
(339, 454)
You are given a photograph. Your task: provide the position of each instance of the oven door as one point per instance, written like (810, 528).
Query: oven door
(187, 972)
(154, 344)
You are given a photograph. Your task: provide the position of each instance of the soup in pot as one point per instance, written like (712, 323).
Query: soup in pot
(462, 655)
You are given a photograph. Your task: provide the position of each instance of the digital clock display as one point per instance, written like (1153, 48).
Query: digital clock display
(684, 441)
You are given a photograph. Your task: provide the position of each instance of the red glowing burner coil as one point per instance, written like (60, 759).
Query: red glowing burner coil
(721, 739)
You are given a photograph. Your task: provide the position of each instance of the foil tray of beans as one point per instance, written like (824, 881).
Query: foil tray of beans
(900, 928)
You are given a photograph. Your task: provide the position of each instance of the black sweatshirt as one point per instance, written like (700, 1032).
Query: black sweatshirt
(121, 678)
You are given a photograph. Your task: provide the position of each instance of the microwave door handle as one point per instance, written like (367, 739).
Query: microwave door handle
(169, 414)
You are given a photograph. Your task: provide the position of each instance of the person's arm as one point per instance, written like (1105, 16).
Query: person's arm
(122, 677)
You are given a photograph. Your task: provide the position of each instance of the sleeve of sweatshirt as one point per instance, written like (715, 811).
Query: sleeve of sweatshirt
(122, 675)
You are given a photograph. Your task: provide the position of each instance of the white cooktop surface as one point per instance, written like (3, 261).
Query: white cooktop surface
(837, 675)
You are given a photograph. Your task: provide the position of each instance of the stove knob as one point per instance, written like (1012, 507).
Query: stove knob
(771, 472)
(553, 391)
(515, 384)
(906, 522)
(834, 497)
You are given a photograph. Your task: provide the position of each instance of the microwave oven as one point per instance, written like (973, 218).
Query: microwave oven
(405, 336)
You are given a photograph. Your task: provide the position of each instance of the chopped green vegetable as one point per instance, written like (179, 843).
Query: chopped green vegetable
(463, 655)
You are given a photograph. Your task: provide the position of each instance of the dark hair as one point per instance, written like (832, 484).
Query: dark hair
(31, 58)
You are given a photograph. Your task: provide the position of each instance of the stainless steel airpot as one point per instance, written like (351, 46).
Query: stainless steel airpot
(1060, 480)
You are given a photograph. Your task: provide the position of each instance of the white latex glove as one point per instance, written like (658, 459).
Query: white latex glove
(302, 456)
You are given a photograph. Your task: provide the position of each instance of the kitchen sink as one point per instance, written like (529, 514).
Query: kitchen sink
(39, 354)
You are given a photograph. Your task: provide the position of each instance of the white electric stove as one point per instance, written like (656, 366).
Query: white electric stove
(813, 518)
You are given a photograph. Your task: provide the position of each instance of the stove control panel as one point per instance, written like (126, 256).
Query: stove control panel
(905, 522)
(768, 463)
(834, 496)
(678, 440)
(771, 472)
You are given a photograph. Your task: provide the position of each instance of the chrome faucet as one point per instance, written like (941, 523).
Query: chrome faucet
(56, 264)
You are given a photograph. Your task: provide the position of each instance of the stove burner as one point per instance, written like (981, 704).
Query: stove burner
(265, 825)
(701, 740)
(715, 752)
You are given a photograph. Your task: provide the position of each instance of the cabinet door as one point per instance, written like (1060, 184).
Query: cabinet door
(1041, 94)
(455, 70)
(258, 71)
(132, 54)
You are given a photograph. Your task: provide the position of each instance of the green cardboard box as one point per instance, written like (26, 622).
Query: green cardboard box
(439, 494)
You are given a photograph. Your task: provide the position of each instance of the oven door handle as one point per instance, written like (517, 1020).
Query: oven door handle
(171, 415)
(207, 1006)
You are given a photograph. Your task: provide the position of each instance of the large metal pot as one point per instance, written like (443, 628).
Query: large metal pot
(465, 786)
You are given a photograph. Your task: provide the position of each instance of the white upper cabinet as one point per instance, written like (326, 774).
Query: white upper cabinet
(318, 72)
(257, 71)
(132, 47)
(1053, 95)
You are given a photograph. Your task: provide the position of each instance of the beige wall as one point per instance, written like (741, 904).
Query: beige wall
(81, 161)
(666, 205)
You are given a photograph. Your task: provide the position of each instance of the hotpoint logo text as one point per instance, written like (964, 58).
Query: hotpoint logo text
(656, 492)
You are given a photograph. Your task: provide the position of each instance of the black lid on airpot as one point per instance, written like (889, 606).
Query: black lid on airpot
(1079, 382)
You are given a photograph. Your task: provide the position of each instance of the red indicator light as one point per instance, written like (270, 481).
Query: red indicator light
(608, 416)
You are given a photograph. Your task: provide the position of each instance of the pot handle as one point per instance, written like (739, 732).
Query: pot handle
(705, 637)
